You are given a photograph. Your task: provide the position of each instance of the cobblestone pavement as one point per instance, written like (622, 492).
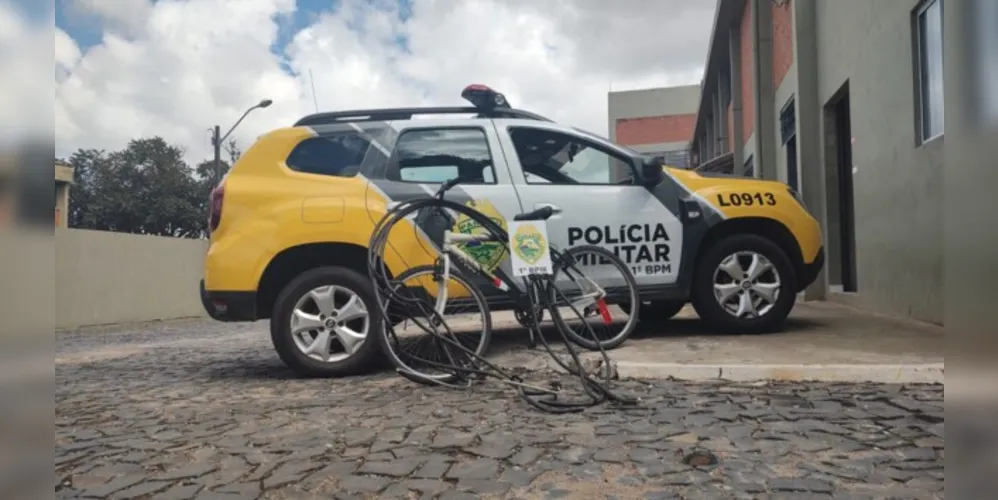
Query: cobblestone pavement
(206, 410)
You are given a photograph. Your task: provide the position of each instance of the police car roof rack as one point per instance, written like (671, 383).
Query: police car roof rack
(389, 114)
(485, 103)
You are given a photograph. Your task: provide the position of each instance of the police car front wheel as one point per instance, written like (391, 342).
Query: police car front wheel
(744, 283)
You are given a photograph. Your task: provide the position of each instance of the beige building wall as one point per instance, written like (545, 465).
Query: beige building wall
(63, 181)
(103, 277)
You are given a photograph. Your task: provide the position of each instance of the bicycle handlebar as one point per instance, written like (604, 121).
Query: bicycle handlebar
(543, 213)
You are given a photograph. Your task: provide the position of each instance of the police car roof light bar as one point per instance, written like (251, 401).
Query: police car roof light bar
(484, 98)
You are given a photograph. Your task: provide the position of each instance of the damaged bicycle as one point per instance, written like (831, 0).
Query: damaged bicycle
(425, 343)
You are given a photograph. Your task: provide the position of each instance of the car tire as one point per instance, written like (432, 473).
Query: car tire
(367, 355)
(656, 310)
(708, 272)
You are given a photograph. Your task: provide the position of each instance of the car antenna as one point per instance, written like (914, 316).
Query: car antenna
(311, 81)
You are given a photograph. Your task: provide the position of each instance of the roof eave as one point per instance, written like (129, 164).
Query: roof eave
(727, 13)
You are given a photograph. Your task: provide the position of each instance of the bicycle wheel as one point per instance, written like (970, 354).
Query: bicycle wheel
(591, 279)
(411, 344)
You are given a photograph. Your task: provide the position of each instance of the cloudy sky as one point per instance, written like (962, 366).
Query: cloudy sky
(131, 68)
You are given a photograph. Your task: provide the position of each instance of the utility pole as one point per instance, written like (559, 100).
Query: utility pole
(216, 141)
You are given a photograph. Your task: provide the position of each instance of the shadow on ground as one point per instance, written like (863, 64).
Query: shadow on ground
(815, 333)
(511, 334)
(818, 333)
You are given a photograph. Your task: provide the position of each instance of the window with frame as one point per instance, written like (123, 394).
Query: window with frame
(928, 34)
(749, 170)
(550, 157)
(788, 121)
(337, 154)
(437, 155)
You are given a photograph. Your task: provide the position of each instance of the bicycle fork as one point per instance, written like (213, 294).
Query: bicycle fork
(442, 277)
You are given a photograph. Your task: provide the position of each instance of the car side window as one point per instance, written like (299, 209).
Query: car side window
(550, 157)
(338, 155)
(535, 179)
(436, 155)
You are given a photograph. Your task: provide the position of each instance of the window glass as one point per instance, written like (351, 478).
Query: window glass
(441, 173)
(337, 154)
(439, 155)
(930, 68)
(561, 158)
(536, 179)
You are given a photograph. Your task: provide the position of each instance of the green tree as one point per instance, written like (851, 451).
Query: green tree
(233, 150)
(146, 188)
(85, 162)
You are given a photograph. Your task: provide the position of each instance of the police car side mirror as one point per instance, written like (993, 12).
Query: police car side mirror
(651, 171)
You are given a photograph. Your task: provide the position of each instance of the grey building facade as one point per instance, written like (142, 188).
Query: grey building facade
(843, 101)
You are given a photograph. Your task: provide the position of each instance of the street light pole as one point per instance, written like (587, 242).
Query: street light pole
(217, 170)
(217, 141)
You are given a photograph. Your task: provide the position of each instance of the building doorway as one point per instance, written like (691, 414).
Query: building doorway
(841, 209)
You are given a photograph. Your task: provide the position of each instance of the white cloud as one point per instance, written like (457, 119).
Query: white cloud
(123, 16)
(67, 54)
(175, 68)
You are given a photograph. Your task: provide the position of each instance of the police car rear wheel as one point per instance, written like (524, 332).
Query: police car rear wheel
(744, 283)
(321, 323)
(656, 310)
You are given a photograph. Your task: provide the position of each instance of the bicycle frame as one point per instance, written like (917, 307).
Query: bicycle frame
(451, 248)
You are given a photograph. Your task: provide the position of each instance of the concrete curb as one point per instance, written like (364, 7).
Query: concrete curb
(896, 374)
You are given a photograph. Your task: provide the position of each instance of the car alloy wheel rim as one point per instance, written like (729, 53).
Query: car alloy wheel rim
(330, 323)
(746, 285)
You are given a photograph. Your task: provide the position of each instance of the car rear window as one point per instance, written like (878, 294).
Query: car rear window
(338, 155)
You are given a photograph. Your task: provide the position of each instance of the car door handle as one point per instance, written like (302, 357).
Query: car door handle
(552, 206)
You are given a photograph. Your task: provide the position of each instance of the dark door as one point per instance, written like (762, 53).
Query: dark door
(847, 216)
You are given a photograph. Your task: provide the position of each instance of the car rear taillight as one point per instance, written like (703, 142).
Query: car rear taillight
(215, 207)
